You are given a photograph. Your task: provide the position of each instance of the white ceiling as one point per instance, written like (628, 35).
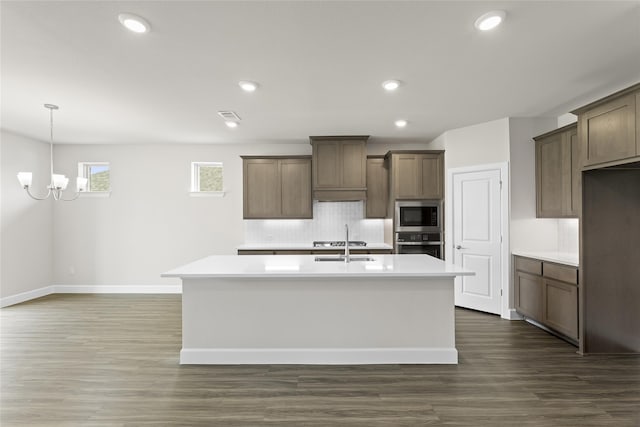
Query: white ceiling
(320, 66)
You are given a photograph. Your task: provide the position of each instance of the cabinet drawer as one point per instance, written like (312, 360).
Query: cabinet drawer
(327, 252)
(529, 265)
(560, 272)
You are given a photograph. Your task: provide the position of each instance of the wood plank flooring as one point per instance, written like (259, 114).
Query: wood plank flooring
(112, 360)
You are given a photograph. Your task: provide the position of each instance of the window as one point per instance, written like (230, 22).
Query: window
(97, 174)
(206, 177)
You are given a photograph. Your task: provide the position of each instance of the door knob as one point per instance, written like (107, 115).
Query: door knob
(460, 247)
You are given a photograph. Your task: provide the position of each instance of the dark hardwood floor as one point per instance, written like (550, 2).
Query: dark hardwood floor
(112, 360)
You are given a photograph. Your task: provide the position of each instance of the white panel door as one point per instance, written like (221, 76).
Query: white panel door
(477, 239)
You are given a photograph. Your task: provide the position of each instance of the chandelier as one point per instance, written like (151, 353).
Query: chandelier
(58, 182)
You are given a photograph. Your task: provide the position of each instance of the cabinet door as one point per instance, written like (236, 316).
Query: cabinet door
(609, 131)
(638, 123)
(377, 188)
(550, 177)
(430, 178)
(261, 182)
(354, 164)
(328, 164)
(576, 174)
(560, 308)
(405, 176)
(295, 176)
(528, 295)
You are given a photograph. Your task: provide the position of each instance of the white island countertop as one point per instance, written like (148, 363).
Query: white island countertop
(248, 266)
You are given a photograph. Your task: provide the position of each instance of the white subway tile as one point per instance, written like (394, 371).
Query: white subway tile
(328, 223)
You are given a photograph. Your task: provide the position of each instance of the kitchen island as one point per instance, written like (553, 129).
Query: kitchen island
(292, 309)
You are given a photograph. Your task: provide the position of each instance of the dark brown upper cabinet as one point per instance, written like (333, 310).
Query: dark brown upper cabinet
(377, 187)
(339, 167)
(276, 187)
(609, 129)
(558, 171)
(416, 174)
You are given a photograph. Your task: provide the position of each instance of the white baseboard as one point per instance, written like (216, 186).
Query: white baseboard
(26, 296)
(118, 289)
(512, 314)
(89, 289)
(317, 356)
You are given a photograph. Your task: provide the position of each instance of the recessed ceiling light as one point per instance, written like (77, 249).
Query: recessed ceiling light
(391, 85)
(231, 124)
(248, 86)
(490, 20)
(134, 23)
(400, 123)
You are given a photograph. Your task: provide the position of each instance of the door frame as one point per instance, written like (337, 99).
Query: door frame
(505, 260)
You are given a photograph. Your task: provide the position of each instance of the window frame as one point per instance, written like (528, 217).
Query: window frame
(83, 171)
(195, 180)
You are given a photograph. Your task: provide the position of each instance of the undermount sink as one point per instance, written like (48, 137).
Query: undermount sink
(340, 258)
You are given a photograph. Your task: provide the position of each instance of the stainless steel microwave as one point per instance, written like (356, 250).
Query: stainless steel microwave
(418, 215)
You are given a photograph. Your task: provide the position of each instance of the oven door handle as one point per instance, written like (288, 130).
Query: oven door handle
(418, 243)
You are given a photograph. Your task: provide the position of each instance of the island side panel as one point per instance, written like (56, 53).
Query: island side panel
(318, 320)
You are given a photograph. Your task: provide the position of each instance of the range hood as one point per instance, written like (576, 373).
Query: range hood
(339, 166)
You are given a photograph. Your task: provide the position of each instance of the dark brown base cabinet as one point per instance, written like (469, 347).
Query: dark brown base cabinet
(548, 294)
(529, 295)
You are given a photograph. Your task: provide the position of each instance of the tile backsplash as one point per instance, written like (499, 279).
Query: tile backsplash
(328, 223)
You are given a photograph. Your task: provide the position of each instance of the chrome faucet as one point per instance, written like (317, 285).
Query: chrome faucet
(346, 244)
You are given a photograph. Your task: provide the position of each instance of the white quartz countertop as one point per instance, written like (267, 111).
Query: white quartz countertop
(305, 247)
(559, 257)
(246, 266)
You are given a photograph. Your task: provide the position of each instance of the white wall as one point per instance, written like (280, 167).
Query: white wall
(26, 241)
(479, 144)
(567, 119)
(150, 224)
(374, 148)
